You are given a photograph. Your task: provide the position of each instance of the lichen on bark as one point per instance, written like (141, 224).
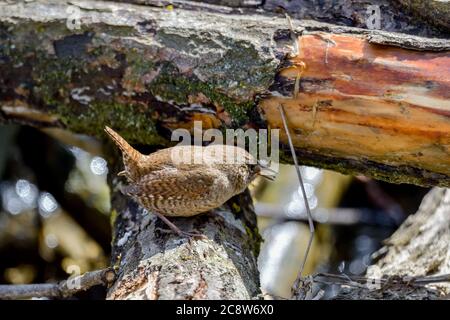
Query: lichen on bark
(135, 65)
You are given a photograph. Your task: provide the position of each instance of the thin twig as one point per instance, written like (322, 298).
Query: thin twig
(431, 279)
(65, 288)
(302, 187)
(406, 280)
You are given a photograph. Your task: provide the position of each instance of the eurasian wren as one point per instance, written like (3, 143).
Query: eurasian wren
(183, 181)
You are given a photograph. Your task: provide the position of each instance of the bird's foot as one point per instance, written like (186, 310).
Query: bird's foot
(181, 233)
(185, 234)
(191, 235)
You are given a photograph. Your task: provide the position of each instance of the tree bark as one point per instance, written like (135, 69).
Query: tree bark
(364, 108)
(433, 11)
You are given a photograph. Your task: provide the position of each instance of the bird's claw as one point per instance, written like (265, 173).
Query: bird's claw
(192, 235)
(185, 234)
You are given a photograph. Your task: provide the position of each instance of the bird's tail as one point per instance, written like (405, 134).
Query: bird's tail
(129, 153)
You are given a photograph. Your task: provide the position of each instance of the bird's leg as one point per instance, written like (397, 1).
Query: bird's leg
(177, 230)
(122, 173)
(299, 175)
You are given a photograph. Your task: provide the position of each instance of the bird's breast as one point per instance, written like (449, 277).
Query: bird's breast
(189, 201)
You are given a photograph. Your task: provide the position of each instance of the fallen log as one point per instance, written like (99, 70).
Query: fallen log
(63, 289)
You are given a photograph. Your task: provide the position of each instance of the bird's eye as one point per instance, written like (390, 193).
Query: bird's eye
(254, 167)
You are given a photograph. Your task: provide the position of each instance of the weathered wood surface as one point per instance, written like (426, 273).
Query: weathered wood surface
(146, 70)
(63, 289)
(428, 18)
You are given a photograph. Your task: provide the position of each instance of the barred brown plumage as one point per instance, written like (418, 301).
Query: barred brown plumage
(183, 181)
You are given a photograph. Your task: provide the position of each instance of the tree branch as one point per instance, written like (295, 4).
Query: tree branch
(61, 289)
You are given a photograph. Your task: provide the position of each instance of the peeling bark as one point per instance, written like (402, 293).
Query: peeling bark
(360, 13)
(380, 104)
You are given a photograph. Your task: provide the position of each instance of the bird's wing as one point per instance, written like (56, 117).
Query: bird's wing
(171, 183)
(170, 158)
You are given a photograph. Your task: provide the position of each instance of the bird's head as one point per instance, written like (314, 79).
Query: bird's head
(240, 166)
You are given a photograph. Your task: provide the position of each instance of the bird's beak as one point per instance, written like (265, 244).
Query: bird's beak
(266, 172)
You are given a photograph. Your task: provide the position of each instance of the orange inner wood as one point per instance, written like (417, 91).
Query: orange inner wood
(363, 101)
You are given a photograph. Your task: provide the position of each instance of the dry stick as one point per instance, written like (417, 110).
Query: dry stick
(65, 288)
(410, 280)
(294, 155)
(431, 279)
(299, 175)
